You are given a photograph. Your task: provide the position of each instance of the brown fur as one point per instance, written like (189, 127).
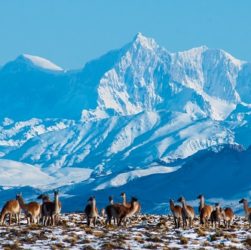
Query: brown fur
(247, 210)
(204, 211)
(120, 212)
(205, 214)
(177, 213)
(10, 208)
(91, 211)
(32, 210)
(228, 216)
(48, 210)
(126, 204)
(216, 215)
(187, 213)
(108, 209)
(245, 205)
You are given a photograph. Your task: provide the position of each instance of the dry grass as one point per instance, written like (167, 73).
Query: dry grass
(184, 240)
(146, 232)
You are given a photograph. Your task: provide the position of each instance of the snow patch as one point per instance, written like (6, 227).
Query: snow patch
(42, 62)
(124, 178)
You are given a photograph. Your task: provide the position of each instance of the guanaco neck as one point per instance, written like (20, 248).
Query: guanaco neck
(171, 205)
(132, 209)
(21, 203)
(93, 206)
(184, 205)
(245, 205)
(202, 202)
(56, 200)
(124, 199)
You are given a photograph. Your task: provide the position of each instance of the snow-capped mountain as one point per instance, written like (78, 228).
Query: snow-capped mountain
(133, 113)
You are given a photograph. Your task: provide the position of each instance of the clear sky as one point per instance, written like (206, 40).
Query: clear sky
(71, 32)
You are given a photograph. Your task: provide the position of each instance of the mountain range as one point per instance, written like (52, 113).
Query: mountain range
(138, 119)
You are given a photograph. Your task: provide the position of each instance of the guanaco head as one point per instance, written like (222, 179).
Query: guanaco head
(242, 201)
(110, 199)
(123, 194)
(134, 199)
(56, 192)
(18, 196)
(181, 199)
(43, 197)
(91, 199)
(217, 205)
(201, 196)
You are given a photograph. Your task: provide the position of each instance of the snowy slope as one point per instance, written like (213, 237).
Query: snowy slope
(15, 174)
(14, 134)
(41, 62)
(221, 176)
(131, 141)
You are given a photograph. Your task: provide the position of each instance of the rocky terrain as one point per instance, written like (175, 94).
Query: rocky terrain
(143, 232)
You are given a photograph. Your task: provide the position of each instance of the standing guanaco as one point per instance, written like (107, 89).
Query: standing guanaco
(126, 204)
(32, 210)
(216, 215)
(187, 212)
(121, 212)
(177, 213)
(247, 210)
(91, 211)
(228, 216)
(204, 210)
(10, 208)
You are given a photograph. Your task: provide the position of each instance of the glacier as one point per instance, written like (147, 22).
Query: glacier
(139, 114)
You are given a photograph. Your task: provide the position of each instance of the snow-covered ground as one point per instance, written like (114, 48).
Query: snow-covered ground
(143, 232)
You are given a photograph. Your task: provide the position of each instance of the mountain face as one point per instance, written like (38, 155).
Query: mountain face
(134, 114)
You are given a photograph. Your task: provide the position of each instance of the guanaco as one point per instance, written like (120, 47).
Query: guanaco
(121, 212)
(57, 208)
(228, 216)
(10, 208)
(187, 212)
(126, 204)
(204, 210)
(91, 211)
(247, 210)
(216, 215)
(32, 210)
(45, 211)
(50, 210)
(177, 213)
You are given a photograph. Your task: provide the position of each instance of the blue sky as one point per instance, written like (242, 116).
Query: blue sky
(71, 32)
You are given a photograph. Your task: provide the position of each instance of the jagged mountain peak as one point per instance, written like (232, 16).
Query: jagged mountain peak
(145, 42)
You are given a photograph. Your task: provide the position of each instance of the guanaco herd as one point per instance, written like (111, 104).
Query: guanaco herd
(48, 212)
(207, 213)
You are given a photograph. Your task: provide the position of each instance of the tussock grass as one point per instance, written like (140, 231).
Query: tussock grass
(184, 240)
